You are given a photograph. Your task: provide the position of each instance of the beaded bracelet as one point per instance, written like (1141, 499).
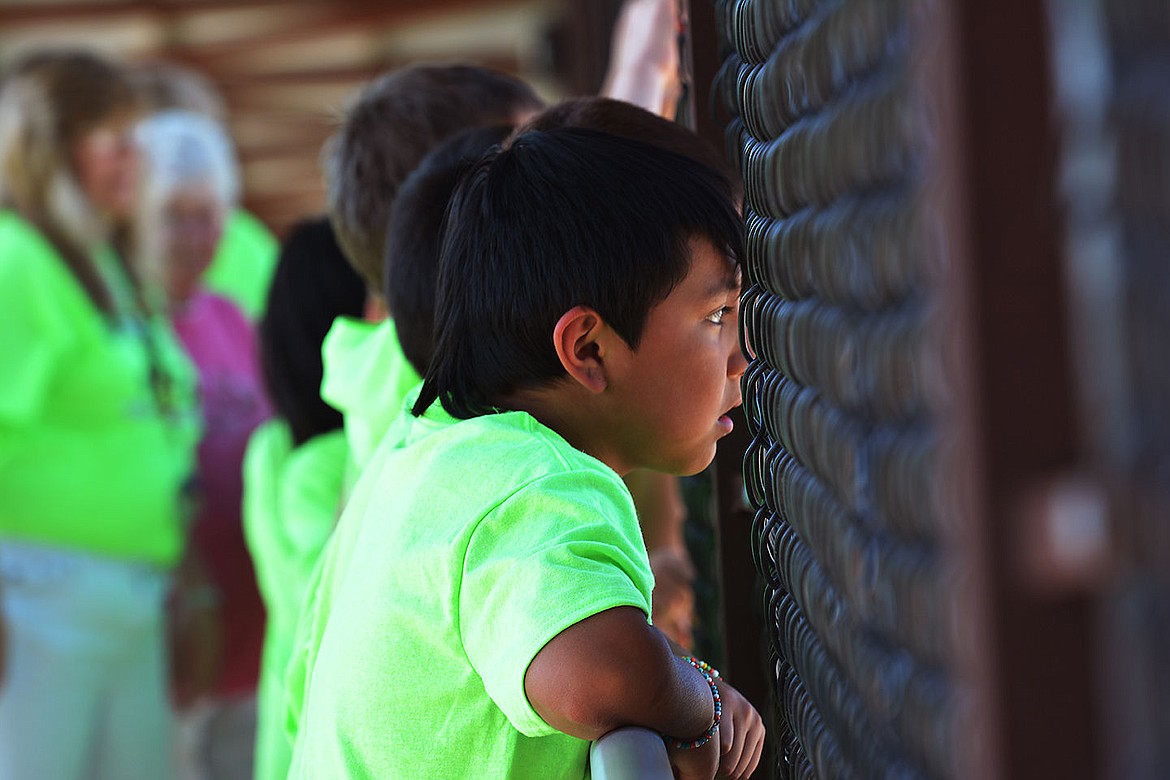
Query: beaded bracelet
(710, 674)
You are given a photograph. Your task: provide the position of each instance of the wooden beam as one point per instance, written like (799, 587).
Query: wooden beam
(1042, 666)
(16, 13)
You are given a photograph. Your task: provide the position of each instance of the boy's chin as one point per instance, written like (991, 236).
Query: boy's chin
(689, 466)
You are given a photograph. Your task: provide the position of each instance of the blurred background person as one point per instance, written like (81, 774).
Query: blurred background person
(97, 435)
(296, 462)
(190, 185)
(245, 257)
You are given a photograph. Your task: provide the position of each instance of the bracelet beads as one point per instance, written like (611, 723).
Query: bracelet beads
(710, 674)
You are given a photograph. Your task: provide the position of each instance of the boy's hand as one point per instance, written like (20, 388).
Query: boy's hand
(697, 763)
(741, 735)
(740, 743)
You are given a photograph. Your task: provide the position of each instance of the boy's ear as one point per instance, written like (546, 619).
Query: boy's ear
(576, 338)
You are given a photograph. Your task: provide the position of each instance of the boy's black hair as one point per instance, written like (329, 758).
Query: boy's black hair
(312, 285)
(416, 230)
(561, 218)
(618, 117)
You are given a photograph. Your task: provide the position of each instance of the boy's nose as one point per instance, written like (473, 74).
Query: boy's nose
(737, 363)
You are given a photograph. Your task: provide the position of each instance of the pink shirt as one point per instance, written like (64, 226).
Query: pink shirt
(222, 345)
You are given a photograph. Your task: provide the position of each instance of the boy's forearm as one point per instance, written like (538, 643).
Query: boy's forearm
(614, 670)
(687, 707)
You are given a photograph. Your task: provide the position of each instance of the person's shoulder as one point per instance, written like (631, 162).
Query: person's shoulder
(269, 446)
(514, 448)
(245, 230)
(345, 336)
(34, 276)
(266, 458)
(363, 348)
(545, 442)
(23, 247)
(13, 227)
(518, 473)
(321, 459)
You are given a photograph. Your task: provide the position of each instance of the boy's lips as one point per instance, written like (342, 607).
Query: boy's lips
(726, 424)
(725, 420)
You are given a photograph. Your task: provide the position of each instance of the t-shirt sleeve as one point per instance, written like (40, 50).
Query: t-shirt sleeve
(563, 548)
(36, 332)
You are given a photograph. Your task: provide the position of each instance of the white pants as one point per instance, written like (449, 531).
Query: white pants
(84, 690)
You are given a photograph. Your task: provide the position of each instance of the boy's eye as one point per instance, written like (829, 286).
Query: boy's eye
(716, 318)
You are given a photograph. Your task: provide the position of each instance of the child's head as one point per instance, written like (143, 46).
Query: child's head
(568, 221)
(190, 183)
(412, 243)
(618, 117)
(312, 285)
(416, 230)
(393, 123)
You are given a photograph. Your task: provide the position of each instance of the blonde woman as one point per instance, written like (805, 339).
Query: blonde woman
(97, 433)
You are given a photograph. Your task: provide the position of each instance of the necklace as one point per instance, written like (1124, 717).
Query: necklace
(133, 315)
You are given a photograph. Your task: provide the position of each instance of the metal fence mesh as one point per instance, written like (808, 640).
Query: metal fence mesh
(829, 131)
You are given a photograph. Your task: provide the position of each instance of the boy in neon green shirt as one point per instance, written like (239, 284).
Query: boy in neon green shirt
(482, 608)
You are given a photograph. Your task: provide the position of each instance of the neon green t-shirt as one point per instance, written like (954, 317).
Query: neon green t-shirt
(92, 457)
(291, 502)
(366, 378)
(244, 263)
(465, 548)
